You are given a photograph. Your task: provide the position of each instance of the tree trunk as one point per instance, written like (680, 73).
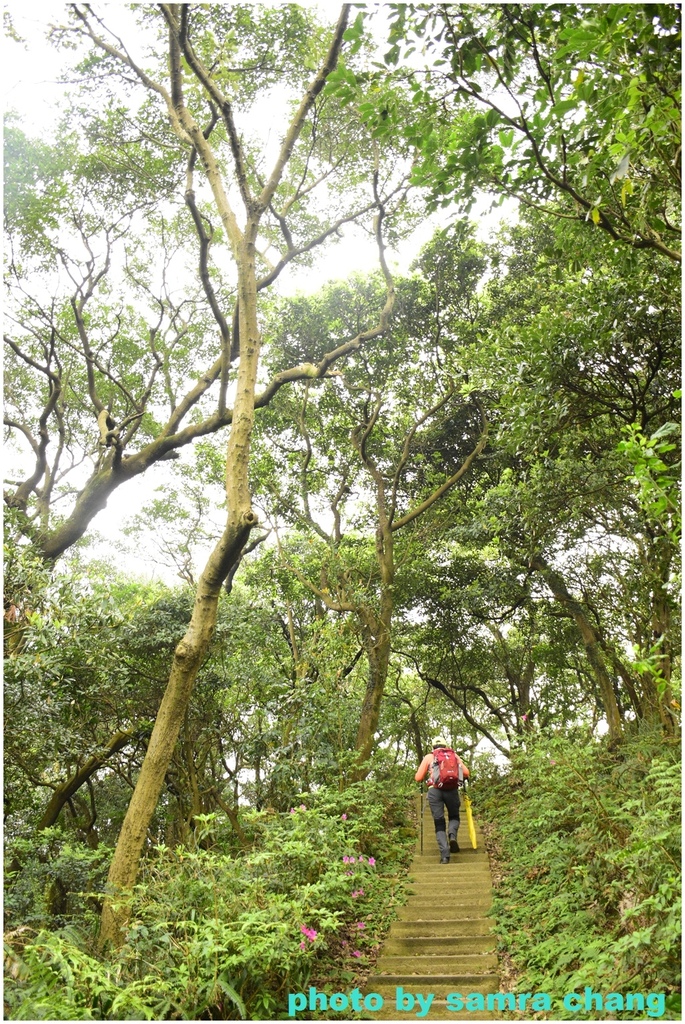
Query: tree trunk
(191, 651)
(592, 648)
(188, 657)
(661, 636)
(378, 652)
(377, 635)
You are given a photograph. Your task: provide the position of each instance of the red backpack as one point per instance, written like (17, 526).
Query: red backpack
(447, 769)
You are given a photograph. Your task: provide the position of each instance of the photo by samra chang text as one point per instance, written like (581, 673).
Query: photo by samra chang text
(419, 1003)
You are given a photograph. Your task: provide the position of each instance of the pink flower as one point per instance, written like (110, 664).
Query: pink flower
(361, 859)
(343, 817)
(372, 861)
(349, 872)
(355, 952)
(360, 924)
(552, 762)
(302, 807)
(309, 932)
(303, 945)
(292, 810)
(344, 942)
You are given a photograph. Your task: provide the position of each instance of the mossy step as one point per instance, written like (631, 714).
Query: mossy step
(470, 859)
(430, 926)
(451, 881)
(441, 909)
(451, 874)
(457, 860)
(398, 945)
(386, 985)
(438, 1012)
(439, 964)
(413, 913)
(430, 844)
(453, 867)
(433, 863)
(430, 891)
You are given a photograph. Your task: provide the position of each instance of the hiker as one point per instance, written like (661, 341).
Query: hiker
(443, 792)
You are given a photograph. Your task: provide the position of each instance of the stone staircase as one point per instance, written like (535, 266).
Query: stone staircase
(441, 941)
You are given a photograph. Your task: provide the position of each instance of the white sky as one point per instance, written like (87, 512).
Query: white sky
(31, 87)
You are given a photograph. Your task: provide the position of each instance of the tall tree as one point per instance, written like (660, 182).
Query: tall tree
(194, 74)
(120, 286)
(377, 433)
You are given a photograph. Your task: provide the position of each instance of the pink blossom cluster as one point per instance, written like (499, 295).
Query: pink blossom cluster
(353, 860)
(309, 932)
(357, 892)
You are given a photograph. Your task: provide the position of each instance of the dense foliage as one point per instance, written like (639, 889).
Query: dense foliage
(590, 846)
(212, 933)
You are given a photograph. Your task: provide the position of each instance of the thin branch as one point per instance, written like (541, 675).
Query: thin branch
(450, 482)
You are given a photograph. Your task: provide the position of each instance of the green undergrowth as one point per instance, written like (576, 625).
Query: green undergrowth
(217, 936)
(591, 894)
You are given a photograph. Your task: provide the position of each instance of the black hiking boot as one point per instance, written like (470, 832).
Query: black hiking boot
(454, 845)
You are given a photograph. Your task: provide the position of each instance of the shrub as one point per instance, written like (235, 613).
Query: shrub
(591, 844)
(219, 937)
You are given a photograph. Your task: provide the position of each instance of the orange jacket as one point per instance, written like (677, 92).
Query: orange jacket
(427, 764)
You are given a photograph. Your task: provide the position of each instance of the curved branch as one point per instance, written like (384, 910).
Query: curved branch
(450, 482)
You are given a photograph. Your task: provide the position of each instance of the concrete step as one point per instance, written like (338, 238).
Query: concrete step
(414, 913)
(430, 844)
(457, 860)
(386, 985)
(454, 866)
(448, 893)
(411, 945)
(462, 857)
(439, 1010)
(430, 926)
(441, 941)
(451, 874)
(439, 964)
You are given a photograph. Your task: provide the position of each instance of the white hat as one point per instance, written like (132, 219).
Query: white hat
(440, 742)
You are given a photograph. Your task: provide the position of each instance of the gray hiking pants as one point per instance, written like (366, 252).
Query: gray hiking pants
(438, 800)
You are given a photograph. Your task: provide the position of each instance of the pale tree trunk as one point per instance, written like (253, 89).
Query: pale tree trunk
(240, 520)
(188, 657)
(590, 641)
(191, 651)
